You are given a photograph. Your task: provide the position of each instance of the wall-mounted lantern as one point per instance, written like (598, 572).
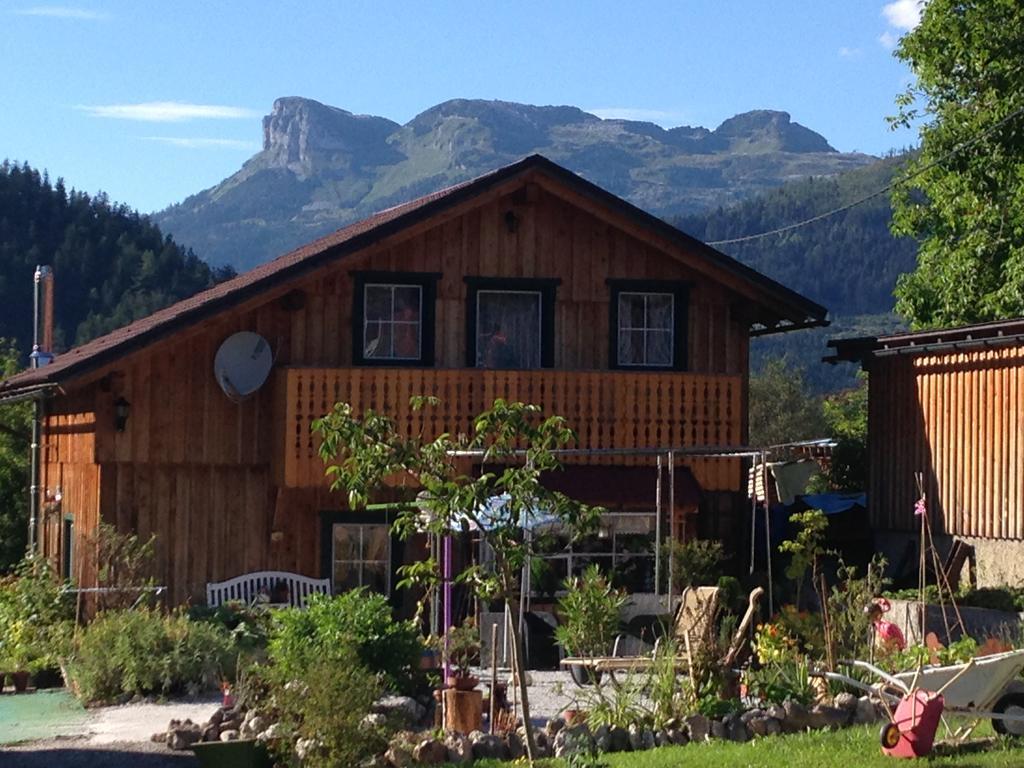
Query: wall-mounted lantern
(121, 409)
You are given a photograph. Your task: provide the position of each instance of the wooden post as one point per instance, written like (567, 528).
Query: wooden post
(463, 710)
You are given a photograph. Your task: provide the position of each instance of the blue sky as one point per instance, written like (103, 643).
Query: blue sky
(152, 101)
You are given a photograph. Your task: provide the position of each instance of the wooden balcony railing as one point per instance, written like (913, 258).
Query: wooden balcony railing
(608, 409)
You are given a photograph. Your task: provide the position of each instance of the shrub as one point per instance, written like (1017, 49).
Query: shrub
(695, 563)
(248, 625)
(589, 611)
(322, 701)
(123, 653)
(359, 619)
(35, 617)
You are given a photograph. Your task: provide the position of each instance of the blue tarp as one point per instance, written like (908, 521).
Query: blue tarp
(832, 503)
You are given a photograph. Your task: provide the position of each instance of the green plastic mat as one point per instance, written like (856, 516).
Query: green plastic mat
(40, 715)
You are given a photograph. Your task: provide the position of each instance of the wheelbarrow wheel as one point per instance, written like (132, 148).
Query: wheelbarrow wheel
(889, 736)
(1010, 704)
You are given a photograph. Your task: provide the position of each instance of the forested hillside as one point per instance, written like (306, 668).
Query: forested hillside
(848, 262)
(112, 265)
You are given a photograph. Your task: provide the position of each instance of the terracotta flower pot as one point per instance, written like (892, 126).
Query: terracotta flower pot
(462, 682)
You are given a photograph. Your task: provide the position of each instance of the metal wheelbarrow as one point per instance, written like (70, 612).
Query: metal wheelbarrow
(984, 687)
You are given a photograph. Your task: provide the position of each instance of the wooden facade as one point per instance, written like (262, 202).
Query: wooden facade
(948, 405)
(229, 487)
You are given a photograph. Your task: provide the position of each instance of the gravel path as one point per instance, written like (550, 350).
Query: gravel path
(113, 737)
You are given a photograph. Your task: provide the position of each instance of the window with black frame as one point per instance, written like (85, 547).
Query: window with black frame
(510, 322)
(647, 324)
(393, 318)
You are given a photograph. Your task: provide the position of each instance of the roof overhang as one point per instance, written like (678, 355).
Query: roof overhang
(993, 335)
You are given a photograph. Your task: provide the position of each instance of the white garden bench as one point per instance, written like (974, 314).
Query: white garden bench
(248, 587)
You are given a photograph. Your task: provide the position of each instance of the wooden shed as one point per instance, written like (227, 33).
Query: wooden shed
(948, 404)
(636, 332)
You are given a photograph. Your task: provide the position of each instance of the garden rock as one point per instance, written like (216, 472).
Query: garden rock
(399, 754)
(487, 746)
(764, 725)
(845, 701)
(304, 748)
(273, 731)
(516, 745)
(211, 732)
(572, 740)
(866, 712)
(540, 739)
(374, 720)
(618, 739)
(182, 735)
(698, 727)
(553, 726)
(677, 736)
(603, 739)
(736, 729)
(402, 711)
(797, 718)
(430, 752)
(718, 730)
(229, 735)
(460, 749)
(776, 711)
(821, 717)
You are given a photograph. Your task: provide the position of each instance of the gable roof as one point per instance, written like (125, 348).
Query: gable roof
(799, 310)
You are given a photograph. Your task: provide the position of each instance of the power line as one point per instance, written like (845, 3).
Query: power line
(887, 188)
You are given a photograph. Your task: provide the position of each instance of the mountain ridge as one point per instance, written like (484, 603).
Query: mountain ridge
(322, 167)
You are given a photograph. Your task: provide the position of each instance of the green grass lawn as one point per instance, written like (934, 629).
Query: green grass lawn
(850, 748)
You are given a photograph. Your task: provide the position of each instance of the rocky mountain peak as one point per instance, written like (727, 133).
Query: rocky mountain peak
(299, 131)
(770, 130)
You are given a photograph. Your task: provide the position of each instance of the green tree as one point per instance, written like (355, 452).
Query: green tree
(15, 435)
(967, 206)
(846, 414)
(781, 408)
(514, 444)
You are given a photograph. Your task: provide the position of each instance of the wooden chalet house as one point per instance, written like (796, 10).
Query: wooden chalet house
(947, 404)
(528, 283)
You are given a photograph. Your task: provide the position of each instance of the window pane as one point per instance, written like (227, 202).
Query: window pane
(346, 576)
(378, 340)
(659, 311)
(631, 348)
(659, 348)
(406, 340)
(407, 302)
(375, 542)
(375, 577)
(346, 542)
(508, 330)
(378, 302)
(631, 310)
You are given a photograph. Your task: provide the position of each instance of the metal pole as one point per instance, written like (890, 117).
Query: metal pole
(37, 417)
(657, 531)
(671, 523)
(768, 533)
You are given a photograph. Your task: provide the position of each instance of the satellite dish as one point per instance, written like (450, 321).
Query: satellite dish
(242, 364)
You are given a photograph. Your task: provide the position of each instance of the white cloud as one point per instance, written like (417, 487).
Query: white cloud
(888, 39)
(204, 143)
(903, 14)
(62, 12)
(849, 53)
(168, 112)
(659, 116)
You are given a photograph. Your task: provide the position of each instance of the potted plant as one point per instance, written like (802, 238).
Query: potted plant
(21, 653)
(589, 618)
(463, 647)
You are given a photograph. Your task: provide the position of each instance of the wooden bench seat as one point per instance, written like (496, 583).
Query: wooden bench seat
(248, 587)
